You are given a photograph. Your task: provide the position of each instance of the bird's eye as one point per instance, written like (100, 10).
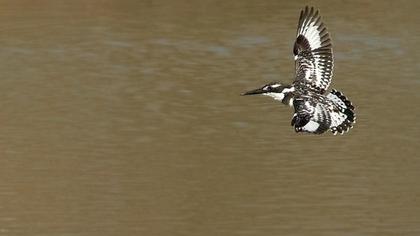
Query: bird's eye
(268, 87)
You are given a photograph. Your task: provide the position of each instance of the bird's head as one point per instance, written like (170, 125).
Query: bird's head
(275, 90)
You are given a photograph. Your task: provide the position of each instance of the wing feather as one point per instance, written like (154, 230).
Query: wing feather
(317, 113)
(310, 116)
(313, 53)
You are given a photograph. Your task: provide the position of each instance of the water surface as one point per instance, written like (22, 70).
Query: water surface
(124, 118)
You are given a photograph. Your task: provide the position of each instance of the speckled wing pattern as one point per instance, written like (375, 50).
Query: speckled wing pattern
(313, 53)
(317, 113)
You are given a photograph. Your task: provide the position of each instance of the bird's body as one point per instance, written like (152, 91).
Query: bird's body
(316, 109)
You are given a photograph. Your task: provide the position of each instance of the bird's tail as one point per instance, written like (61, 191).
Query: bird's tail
(342, 121)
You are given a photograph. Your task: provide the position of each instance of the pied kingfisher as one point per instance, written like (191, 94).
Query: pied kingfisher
(316, 109)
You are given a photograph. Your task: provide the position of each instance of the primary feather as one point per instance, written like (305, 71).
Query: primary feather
(313, 53)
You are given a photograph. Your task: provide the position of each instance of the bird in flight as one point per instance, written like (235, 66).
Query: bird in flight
(315, 109)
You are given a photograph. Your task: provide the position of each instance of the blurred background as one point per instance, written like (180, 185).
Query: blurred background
(124, 118)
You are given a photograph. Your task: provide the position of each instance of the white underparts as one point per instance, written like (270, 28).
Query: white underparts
(288, 90)
(276, 96)
(311, 126)
(291, 102)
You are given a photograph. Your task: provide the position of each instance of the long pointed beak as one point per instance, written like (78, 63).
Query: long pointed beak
(253, 92)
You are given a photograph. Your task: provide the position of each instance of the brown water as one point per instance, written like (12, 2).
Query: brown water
(124, 118)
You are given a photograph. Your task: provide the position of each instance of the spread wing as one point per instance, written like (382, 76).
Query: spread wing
(318, 113)
(313, 53)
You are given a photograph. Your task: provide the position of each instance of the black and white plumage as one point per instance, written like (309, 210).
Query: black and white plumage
(313, 52)
(316, 109)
